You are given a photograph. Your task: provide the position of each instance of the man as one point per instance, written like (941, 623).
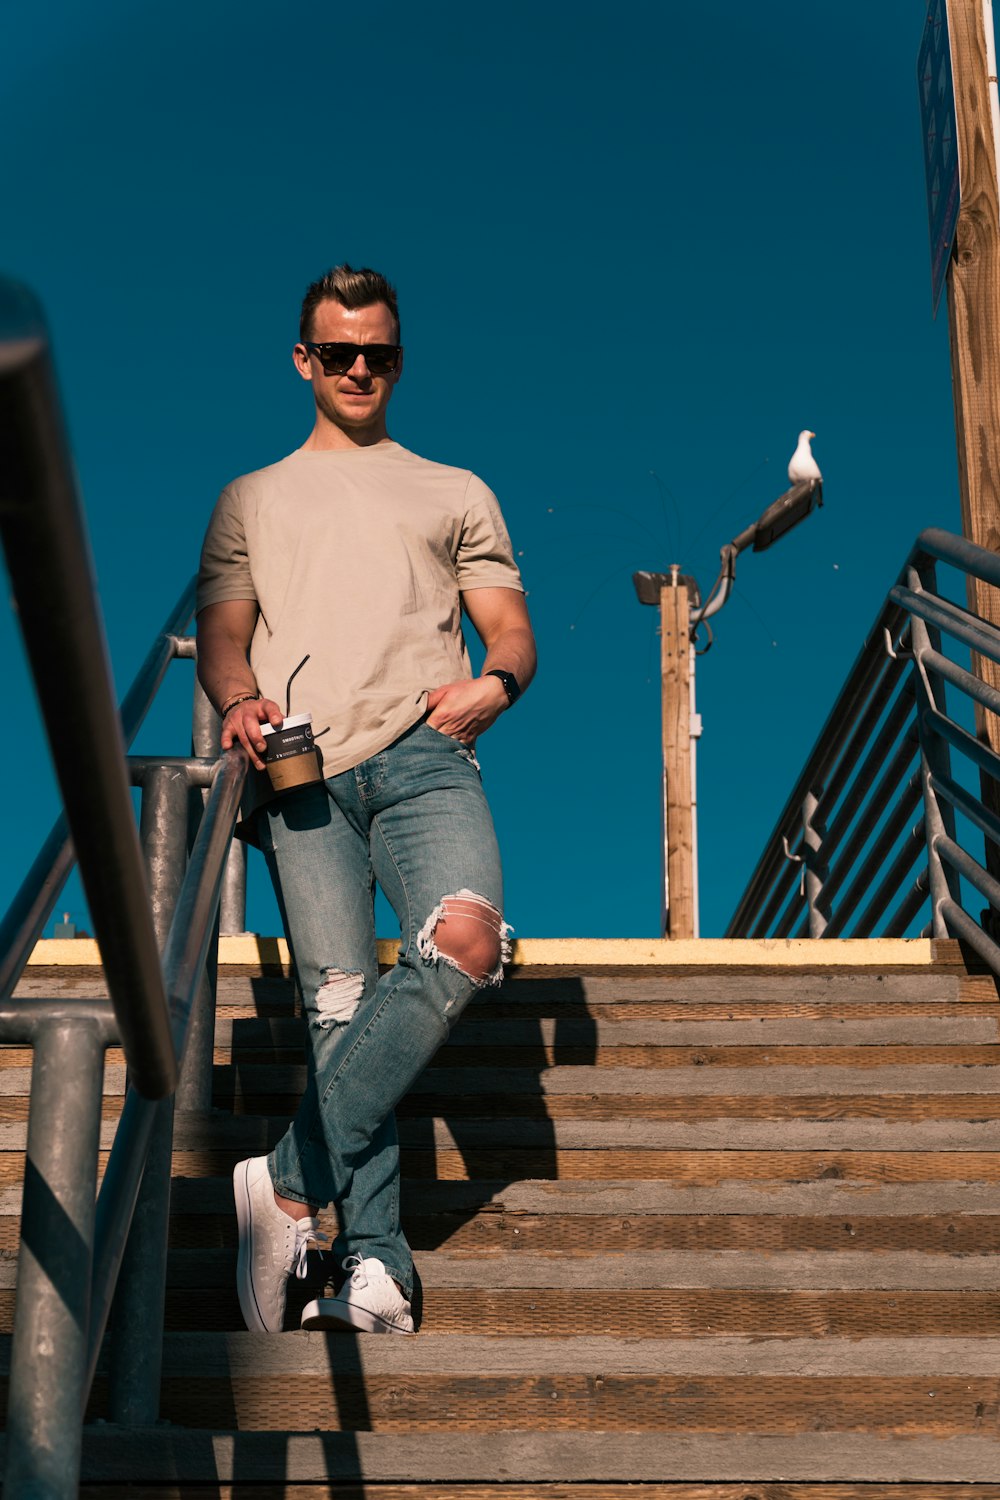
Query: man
(359, 556)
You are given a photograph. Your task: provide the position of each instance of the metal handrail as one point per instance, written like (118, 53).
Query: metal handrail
(845, 821)
(49, 562)
(66, 1282)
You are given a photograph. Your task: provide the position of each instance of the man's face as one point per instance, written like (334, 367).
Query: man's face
(358, 399)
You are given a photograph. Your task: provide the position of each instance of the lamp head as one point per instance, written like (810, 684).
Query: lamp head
(648, 586)
(787, 511)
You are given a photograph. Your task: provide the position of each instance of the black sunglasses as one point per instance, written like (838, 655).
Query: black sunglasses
(337, 359)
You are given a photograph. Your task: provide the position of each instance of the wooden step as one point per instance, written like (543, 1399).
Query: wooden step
(552, 1490)
(250, 1459)
(583, 1383)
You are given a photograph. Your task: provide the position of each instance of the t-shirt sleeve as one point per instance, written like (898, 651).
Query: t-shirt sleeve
(224, 572)
(485, 556)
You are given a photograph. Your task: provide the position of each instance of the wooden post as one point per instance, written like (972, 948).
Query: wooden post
(678, 883)
(974, 328)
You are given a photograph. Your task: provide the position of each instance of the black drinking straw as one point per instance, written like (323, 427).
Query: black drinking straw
(288, 689)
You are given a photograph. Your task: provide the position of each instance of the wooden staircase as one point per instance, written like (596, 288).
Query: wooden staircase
(727, 1229)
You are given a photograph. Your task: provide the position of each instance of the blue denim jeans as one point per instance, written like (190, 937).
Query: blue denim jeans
(414, 818)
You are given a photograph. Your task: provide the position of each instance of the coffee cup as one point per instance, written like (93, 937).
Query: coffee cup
(291, 757)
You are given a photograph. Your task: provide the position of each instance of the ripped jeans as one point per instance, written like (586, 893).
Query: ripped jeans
(414, 818)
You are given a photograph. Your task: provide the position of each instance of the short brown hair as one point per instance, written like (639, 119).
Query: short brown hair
(350, 288)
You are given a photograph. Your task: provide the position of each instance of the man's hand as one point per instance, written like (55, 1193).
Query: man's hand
(466, 709)
(242, 723)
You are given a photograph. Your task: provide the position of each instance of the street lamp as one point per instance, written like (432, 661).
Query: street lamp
(682, 614)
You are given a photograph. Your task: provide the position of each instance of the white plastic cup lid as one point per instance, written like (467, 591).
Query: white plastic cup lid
(295, 722)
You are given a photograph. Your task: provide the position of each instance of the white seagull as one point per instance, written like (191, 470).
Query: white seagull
(802, 466)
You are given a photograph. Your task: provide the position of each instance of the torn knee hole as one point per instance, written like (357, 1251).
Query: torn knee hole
(466, 932)
(338, 996)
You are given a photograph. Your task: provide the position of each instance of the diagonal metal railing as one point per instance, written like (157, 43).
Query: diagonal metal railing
(875, 832)
(146, 893)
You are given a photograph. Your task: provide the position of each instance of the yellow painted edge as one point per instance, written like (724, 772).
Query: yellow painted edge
(593, 952)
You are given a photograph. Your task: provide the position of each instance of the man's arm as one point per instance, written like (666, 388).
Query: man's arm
(466, 709)
(224, 635)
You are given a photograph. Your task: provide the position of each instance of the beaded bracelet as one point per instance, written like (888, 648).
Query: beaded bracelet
(240, 698)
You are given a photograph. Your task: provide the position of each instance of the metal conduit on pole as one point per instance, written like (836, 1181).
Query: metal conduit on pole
(48, 558)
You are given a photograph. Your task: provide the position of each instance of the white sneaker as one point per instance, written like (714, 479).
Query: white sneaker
(272, 1246)
(369, 1300)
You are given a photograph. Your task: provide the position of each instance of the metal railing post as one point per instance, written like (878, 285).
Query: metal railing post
(935, 760)
(51, 1322)
(206, 727)
(233, 917)
(814, 869)
(137, 1316)
(194, 1092)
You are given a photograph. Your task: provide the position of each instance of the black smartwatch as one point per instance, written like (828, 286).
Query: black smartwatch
(511, 686)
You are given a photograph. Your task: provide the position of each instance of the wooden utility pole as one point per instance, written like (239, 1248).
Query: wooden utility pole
(974, 328)
(678, 840)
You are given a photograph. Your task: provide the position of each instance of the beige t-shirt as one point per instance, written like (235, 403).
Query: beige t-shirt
(356, 559)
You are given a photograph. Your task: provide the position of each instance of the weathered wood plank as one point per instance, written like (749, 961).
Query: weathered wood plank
(600, 1139)
(814, 1270)
(674, 1313)
(556, 1403)
(731, 1134)
(553, 1490)
(718, 1269)
(705, 1167)
(697, 1312)
(457, 1055)
(491, 1233)
(672, 1082)
(324, 1354)
(844, 1199)
(763, 986)
(288, 1020)
(580, 1031)
(611, 1083)
(260, 1032)
(458, 1108)
(145, 1454)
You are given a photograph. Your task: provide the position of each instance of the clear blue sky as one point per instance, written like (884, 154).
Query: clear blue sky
(637, 247)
